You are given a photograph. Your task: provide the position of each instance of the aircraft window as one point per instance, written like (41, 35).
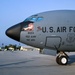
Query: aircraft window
(39, 18)
(34, 19)
(29, 27)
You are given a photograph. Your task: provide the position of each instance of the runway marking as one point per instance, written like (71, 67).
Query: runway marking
(15, 63)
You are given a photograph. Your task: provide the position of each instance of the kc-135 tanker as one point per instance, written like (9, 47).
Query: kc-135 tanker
(51, 30)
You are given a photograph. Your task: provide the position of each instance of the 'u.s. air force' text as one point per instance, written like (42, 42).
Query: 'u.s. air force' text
(58, 29)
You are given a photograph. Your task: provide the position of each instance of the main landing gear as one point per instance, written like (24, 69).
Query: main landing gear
(62, 58)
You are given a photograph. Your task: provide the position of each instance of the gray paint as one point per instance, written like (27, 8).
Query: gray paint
(58, 39)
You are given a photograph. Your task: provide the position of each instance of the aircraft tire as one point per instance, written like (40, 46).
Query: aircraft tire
(63, 60)
(57, 60)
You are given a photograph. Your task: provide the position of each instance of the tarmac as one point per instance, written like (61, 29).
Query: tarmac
(33, 63)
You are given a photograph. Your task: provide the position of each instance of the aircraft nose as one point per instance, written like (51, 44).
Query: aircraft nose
(14, 32)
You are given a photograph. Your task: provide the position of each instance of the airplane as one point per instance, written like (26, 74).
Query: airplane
(51, 30)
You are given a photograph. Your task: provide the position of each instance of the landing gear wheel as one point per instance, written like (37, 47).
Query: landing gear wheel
(62, 60)
(57, 60)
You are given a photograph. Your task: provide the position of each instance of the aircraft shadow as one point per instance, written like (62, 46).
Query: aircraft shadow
(71, 59)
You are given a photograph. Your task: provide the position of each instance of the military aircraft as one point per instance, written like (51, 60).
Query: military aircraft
(51, 30)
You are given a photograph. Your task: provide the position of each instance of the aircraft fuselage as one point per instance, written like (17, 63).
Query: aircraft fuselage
(53, 30)
(57, 29)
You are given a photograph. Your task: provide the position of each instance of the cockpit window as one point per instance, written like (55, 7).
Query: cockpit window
(29, 27)
(39, 18)
(34, 19)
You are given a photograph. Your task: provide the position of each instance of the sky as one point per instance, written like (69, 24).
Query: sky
(15, 11)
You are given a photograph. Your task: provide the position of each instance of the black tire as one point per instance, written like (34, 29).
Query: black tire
(57, 60)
